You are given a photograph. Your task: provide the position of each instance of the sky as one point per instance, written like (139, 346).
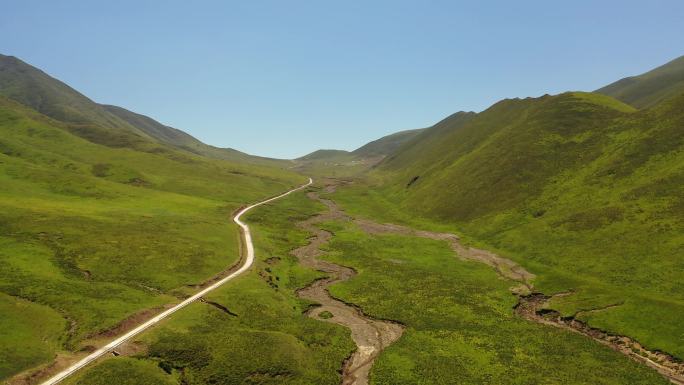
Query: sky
(284, 78)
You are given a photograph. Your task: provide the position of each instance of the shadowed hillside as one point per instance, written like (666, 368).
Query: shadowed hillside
(582, 189)
(648, 89)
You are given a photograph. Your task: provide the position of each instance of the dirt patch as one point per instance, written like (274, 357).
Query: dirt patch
(272, 260)
(370, 335)
(33, 376)
(131, 348)
(128, 323)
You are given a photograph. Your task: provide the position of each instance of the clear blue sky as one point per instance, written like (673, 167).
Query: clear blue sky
(283, 78)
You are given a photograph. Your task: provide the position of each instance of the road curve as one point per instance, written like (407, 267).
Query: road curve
(249, 260)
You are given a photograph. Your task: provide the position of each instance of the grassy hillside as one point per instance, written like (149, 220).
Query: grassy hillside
(646, 90)
(340, 163)
(184, 141)
(460, 326)
(430, 138)
(93, 231)
(580, 188)
(266, 340)
(34, 88)
(386, 145)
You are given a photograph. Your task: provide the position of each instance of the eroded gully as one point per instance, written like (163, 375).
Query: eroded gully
(370, 335)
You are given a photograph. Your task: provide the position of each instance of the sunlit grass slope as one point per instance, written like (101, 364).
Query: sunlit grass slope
(91, 233)
(459, 325)
(581, 189)
(267, 340)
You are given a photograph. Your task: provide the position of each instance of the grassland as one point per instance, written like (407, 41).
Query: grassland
(91, 233)
(460, 327)
(459, 320)
(583, 191)
(268, 340)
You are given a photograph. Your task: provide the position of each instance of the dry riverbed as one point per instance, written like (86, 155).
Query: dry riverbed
(370, 335)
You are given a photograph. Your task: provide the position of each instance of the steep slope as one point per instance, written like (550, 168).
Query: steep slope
(92, 234)
(579, 188)
(34, 88)
(386, 145)
(182, 140)
(412, 152)
(648, 89)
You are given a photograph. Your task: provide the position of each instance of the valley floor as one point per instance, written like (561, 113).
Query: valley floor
(457, 314)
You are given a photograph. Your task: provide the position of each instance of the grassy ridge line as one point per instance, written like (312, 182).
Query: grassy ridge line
(35, 89)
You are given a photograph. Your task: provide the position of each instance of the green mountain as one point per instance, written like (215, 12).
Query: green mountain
(436, 137)
(646, 90)
(184, 141)
(99, 221)
(581, 189)
(34, 88)
(327, 155)
(386, 145)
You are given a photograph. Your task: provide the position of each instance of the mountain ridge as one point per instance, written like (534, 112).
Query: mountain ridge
(651, 87)
(38, 90)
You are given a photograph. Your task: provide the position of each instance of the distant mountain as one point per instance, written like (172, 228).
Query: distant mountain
(648, 89)
(470, 165)
(369, 154)
(583, 189)
(387, 144)
(428, 139)
(34, 88)
(326, 155)
(182, 140)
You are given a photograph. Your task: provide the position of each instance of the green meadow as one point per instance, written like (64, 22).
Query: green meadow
(91, 233)
(585, 192)
(459, 320)
(267, 339)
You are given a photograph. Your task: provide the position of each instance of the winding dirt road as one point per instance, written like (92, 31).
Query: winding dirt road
(249, 260)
